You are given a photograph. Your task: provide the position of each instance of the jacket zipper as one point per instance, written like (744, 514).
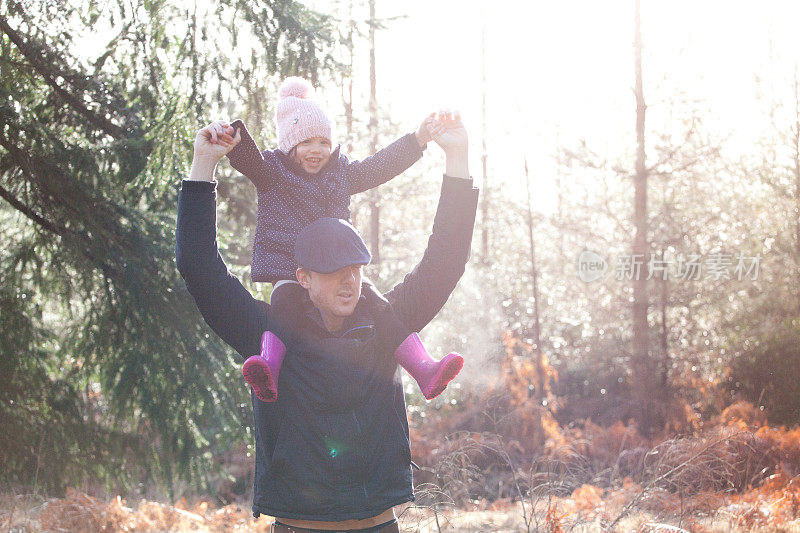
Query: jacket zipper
(358, 428)
(357, 328)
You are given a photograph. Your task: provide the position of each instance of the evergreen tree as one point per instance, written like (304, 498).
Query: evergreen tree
(106, 366)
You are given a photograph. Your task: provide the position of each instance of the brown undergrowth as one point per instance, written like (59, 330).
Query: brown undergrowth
(732, 477)
(500, 461)
(505, 445)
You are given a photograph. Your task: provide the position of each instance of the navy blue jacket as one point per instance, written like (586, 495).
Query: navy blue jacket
(335, 446)
(290, 198)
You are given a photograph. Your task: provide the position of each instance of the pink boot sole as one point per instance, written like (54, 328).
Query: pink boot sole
(257, 373)
(449, 367)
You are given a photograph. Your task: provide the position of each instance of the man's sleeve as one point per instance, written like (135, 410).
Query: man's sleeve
(423, 292)
(230, 310)
(383, 165)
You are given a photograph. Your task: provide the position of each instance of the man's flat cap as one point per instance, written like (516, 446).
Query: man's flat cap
(328, 244)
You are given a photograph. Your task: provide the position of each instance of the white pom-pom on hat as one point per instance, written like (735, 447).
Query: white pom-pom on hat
(295, 86)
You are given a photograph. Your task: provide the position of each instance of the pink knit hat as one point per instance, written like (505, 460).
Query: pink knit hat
(298, 115)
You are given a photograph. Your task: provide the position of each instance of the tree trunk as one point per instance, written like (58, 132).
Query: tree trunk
(374, 206)
(537, 345)
(347, 86)
(194, 96)
(534, 273)
(484, 155)
(796, 169)
(644, 393)
(665, 361)
(560, 200)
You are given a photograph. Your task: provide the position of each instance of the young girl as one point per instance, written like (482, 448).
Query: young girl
(303, 180)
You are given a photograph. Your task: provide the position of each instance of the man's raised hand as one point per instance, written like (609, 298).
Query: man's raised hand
(210, 145)
(448, 131)
(215, 141)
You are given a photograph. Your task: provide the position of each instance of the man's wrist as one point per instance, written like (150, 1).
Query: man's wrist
(202, 169)
(457, 163)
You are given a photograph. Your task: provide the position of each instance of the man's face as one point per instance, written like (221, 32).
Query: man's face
(335, 294)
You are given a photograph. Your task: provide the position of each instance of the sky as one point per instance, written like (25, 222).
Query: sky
(561, 72)
(558, 72)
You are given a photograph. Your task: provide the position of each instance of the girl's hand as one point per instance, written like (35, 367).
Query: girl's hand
(423, 132)
(215, 141)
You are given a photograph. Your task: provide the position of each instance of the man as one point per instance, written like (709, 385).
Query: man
(332, 454)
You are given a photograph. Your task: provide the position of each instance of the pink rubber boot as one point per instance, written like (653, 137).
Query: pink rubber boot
(261, 371)
(431, 375)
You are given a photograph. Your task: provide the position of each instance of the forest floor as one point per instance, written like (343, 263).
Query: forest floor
(774, 506)
(739, 475)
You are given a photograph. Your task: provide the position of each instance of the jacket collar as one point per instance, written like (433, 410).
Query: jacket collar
(296, 168)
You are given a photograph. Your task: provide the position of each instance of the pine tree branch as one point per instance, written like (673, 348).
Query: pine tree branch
(46, 72)
(83, 241)
(6, 195)
(43, 173)
(27, 165)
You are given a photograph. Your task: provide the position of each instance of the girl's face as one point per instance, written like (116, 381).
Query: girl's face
(313, 154)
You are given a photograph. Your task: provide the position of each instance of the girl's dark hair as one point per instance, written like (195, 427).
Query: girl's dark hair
(292, 152)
